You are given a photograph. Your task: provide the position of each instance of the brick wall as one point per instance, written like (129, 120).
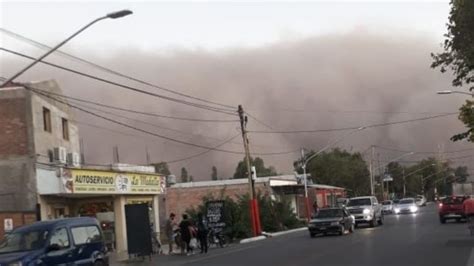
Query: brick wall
(19, 219)
(178, 200)
(13, 127)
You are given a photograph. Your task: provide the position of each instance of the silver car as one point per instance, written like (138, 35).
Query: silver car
(366, 210)
(407, 205)
(387, 206)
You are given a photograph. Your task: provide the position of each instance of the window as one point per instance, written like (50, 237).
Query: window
(46, 119)
(86, 234)
(65, 129)
(60, 238)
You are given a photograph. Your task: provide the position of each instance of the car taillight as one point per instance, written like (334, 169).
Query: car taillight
(441, 205)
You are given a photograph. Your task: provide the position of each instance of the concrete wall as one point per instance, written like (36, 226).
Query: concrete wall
(46, 141)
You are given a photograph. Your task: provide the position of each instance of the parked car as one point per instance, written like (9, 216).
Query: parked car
(406, 205)
(451, 208)
(331, 220)
(420, 201)
(387, 206)
(366, 210)
(65, 241)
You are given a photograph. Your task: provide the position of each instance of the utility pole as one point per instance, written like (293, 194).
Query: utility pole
(371, 170)
(254, 213)
(404, 182)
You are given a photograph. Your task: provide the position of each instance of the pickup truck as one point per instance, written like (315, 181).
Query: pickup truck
(451, 208)
(366, 210)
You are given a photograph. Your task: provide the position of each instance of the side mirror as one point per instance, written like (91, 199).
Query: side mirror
(53, 247)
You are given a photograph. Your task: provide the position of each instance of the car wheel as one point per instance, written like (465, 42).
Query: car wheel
(442, 220)
(373, 222)
(380, 221)
(352, 228)
(341, 232)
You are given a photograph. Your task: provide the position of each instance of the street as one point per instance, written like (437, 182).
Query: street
(403, 240)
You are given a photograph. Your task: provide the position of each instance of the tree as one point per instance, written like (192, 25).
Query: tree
(191, 179)
(458, 56)
(214, 173)
(184, 175)
(262, 171)
(461, 174)
(161, 168)
(339, 168)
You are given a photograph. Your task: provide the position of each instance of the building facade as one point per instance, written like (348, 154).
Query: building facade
(42, 176)
(31, 129)
(181, 197)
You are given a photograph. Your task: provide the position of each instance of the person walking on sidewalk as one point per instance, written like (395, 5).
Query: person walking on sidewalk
(203, 231)
(186, 233)
(170, 226)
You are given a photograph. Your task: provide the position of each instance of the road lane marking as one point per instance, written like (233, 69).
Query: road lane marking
(470, 261)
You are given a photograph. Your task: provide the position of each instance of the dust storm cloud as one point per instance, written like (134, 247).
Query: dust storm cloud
(330, 81)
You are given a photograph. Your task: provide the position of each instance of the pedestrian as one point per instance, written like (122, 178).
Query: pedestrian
(186, 233)
(170, 226)
(202, 233)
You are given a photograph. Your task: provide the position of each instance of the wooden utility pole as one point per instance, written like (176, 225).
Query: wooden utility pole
(254, 212)
(371, 169)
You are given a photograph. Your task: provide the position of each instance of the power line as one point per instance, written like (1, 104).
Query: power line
(352, 128)
(422, 152)
(202, 153)
(108, 70)
(201, 106)
(259, 121)
(145, 131)
(138, 112)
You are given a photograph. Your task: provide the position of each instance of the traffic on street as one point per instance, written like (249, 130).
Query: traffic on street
(417, 239)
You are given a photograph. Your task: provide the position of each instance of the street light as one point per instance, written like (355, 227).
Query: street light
(453, 92)
(306, 161)
(113, 15)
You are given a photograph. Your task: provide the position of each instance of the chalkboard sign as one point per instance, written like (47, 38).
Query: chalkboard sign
(215, 214)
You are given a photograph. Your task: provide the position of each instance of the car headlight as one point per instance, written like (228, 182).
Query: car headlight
(18, 263)
(413, 208)
(397, 210)
(366, 211)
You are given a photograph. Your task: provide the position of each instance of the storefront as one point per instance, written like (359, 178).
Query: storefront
(103, 194)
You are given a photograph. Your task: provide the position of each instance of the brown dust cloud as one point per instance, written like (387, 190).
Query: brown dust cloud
(332, 81)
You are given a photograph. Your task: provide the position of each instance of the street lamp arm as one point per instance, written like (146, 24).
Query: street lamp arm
(395, 159)
(113, 15)
(329, 145)
(453, 92)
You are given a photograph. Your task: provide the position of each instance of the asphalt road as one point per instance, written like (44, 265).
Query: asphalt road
(403, 240)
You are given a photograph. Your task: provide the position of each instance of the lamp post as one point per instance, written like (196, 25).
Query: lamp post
(307, 160)
(113, 15)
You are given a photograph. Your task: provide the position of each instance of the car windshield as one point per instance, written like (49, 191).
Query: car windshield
(24, 241)
(328, 213)
(453, 200)
(359, 202)
(386, 203)
(406, 201)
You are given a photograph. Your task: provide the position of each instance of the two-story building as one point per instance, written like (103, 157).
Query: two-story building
(42, 176)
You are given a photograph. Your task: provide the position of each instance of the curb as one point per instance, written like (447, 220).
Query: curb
(266, 235)
(252, 239)
(286, 232)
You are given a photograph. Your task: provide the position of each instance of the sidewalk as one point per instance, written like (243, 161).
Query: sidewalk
(180, 259)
